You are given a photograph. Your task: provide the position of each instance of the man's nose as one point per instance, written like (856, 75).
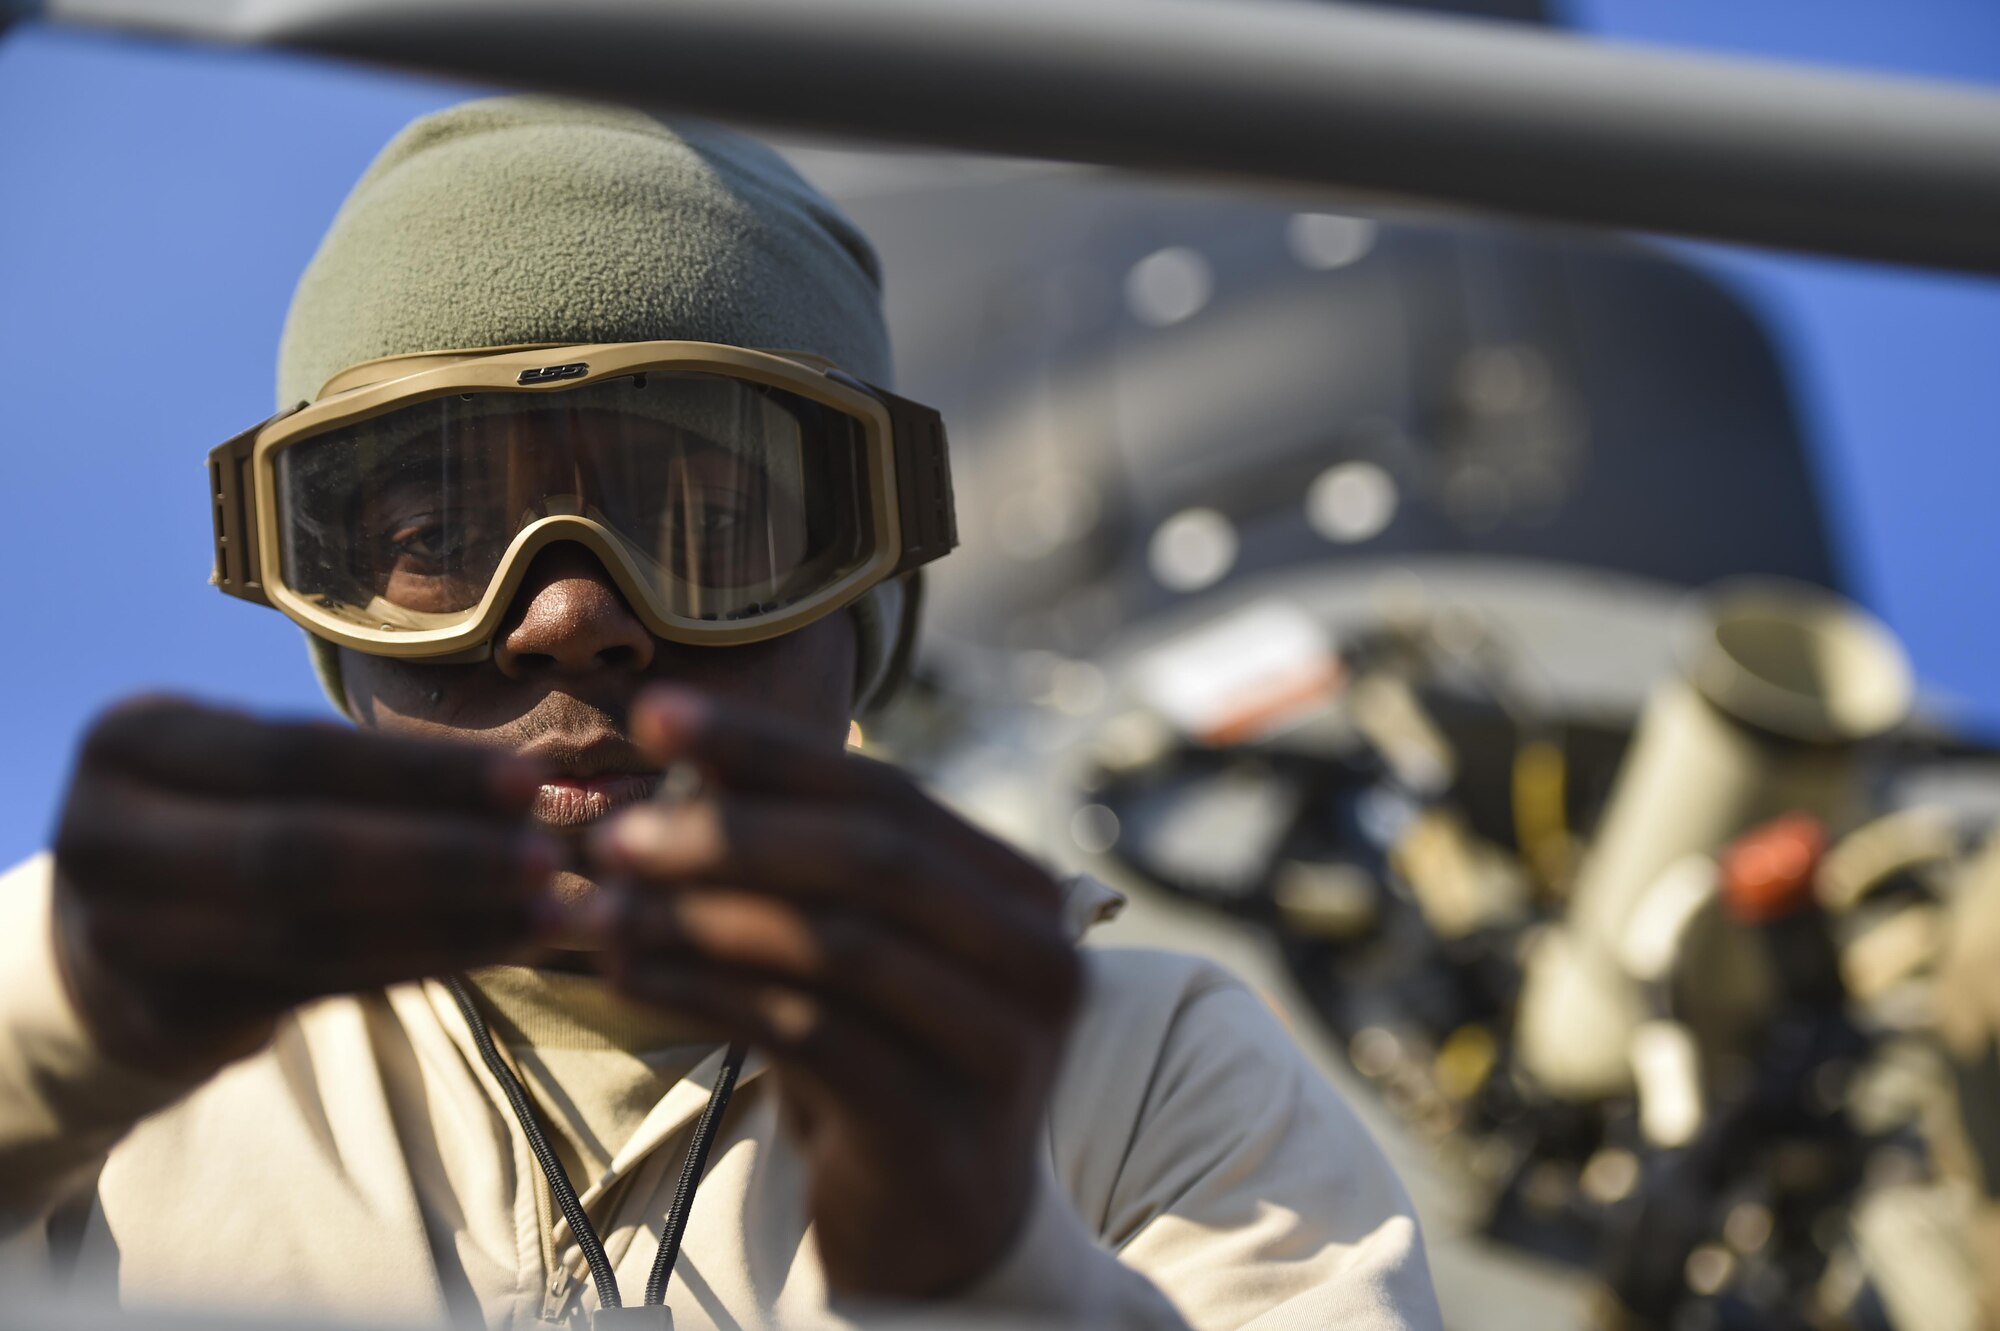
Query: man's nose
(568, 618)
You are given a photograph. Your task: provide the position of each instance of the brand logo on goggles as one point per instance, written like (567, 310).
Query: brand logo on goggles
(548, 374)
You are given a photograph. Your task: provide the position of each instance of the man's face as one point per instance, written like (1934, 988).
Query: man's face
(567, 662)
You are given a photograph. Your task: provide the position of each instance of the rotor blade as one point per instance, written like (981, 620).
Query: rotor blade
(1459, 113)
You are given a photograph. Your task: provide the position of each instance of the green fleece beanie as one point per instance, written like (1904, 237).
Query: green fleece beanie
(532, 219)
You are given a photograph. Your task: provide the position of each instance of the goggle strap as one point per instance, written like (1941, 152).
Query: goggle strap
(929, 519)
(232, 491)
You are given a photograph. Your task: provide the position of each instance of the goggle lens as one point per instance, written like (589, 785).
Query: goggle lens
(732, 499)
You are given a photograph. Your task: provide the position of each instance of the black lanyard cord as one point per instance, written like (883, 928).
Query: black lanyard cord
(697, 1160)
(524, 1113)
(559, 1184)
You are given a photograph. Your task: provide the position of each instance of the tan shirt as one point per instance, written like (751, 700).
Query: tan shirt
(1196, 1172)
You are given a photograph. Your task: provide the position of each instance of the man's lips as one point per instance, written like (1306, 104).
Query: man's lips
(588, 777)
(574, 801)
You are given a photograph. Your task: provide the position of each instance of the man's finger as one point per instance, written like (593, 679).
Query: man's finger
(802, 1034)
(213, 958)
(943, 1017)
(187, 747)
(749, 750)
(835, 858)
(131, 841)
(756, 753)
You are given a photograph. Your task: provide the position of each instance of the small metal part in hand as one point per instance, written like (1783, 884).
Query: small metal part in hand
(681, 782)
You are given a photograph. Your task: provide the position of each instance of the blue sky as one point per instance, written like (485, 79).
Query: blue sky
(158, 202)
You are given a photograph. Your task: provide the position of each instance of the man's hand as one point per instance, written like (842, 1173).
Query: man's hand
(214, 870)
(907, 975)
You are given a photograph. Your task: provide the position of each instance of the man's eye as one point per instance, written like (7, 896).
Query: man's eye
(715, 516)
(425, 543)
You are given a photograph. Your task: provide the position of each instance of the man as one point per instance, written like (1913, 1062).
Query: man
(677, 534)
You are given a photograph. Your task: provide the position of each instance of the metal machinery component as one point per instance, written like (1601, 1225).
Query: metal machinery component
(1380, 781)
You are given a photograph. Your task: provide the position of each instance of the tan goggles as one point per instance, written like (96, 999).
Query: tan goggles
(733, 495)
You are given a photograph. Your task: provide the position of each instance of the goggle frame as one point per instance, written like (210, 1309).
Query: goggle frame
(909, 478)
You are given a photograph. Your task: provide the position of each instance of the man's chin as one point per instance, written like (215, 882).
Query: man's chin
(570, 949)
(567, 961)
